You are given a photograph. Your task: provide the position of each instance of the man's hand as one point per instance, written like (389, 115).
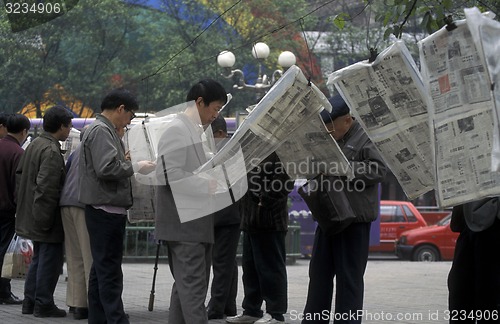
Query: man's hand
(145, 167)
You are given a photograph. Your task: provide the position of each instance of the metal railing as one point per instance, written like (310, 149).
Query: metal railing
(140, 245)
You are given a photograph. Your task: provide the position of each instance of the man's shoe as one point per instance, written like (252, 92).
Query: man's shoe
(242, 319)
(81, 313)
(48, 311)
(268, 319)
(28, 306)
(11, 300)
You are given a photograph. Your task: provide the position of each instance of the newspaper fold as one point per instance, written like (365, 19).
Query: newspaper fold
(387, 98)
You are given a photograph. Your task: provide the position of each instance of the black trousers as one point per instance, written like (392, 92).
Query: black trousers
(225, 270)
(474, 278)
(43, 273)
(264, 274)
(7, 230)
(344, 256)
(106, 233)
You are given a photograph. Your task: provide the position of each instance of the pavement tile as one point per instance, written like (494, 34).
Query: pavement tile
(396, 291)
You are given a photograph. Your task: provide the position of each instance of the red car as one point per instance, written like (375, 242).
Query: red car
(395, 218)
(431, 243)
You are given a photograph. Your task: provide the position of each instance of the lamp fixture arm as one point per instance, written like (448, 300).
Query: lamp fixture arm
(239, 81)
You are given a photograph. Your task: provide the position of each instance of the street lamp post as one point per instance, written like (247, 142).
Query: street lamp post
(260, 51)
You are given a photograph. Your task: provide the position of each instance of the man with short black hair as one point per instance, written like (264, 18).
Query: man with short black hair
(105, 190)
(10, 153)
(39, 179)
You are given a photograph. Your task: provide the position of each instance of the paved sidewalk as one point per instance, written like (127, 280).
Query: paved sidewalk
(395, 292)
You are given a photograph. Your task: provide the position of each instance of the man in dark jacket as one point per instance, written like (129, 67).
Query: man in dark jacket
(39, 178)
(264, 221)
(226, 237)
(10, 153)
(474, 279)
(344, 255)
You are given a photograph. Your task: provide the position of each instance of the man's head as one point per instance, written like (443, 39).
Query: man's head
(339, 121)
(119, 106)
(3, 124)
(18, 126)
(57, 122)
(219, 127)
(209, 97)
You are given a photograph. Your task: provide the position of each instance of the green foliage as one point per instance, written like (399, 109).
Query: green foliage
(425, 16)
(339, 20)
(102, 44)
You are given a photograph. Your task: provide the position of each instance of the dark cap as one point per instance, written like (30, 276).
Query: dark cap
(218, 124)
(339, 108)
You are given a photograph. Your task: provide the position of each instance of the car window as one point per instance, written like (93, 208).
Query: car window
(391, 214)
(409, 214)
(445, 220)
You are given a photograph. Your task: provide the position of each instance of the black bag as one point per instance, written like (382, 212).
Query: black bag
(330, 208)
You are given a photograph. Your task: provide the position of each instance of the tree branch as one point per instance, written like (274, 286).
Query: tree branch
(400, 32)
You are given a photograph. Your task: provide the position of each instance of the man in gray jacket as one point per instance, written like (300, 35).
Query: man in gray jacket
(105, 190)
(180, 152)
(344, 255)
(39, 180)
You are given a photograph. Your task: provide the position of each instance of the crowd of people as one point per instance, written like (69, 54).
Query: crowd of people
(78, 208)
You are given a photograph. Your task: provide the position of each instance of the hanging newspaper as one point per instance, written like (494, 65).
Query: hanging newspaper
(281, 116)
(139, 139)
(460, 110)
(486, 34)
(311, 150)
(387, 98)
(142, 142)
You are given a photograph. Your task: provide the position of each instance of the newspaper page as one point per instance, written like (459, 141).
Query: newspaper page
(460, 111)
(387, 98)
(311, 150)
(486, 34)
(277, 118)
(137, 139)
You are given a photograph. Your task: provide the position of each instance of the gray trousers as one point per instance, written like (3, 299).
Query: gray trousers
(190, 266)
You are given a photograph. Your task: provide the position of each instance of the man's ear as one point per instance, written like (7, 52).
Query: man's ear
(199, 101)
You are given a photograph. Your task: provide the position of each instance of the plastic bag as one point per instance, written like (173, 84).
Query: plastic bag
(18, 258)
